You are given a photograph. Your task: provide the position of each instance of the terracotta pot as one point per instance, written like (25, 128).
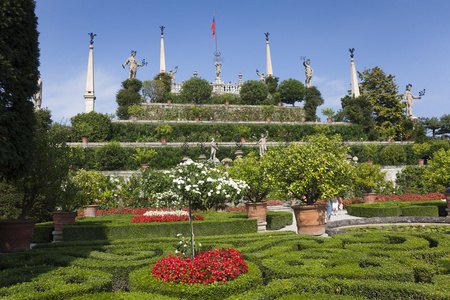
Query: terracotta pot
(369, 162)
(256, 210)
(329, 120)
(279, 103)
(447, 196)
(84, 140)
(420, 161)
(15, 235)
(163, 140)
(227, 102)
(197, 119)
(242, 140)
(227, 164)
(267, 119)
(388, 139)
(63, 218)
(91, 211)
(144, 166)
(310, 219)
(369, 197)
(169, 101)
(135, 118)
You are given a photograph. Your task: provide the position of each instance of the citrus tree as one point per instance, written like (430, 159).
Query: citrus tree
(438, 174)
(316, 169)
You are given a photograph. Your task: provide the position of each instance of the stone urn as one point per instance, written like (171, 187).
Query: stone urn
(15, 235)
(63, 218)
(369, 197)
(256, 210)
(310, 219)
(90, 211)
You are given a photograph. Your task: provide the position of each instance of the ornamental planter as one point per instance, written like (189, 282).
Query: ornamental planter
(256, 210)
(91, 211)
(329, 120)
(369, 197)
(242, 140)
(279, 103)
(197, 119)
(267, 119)
(163, 140)
(310, 219)
(420, 161)
(227, 102)
(135, 118)
(144, 166)
(63, 218)
(369, 162)
(84, 140)
(15, 235)
(388, 139)
(169, 101)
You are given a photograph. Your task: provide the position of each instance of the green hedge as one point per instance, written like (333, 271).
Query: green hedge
(196, 132)
(278, 219)
(142, 281)
(124, 296)
(43, 232)
(398, 208)
(62, 283)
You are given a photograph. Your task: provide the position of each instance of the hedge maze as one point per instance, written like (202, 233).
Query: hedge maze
(282, 265)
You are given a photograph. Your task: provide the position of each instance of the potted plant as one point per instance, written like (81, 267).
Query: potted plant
(144, 156)
(136, 111)
(32, 197)
(388, 133)
(243, 132)
(227, 161)
(268, 111)
(163, 131)
(85, 130)
(370, 151)
(329, 112)
(421, 149)
(315, 170)
(251, 171)
(365, 179)
(197, 112)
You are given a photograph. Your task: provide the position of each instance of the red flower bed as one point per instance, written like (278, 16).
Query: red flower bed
(206, 267)
(232, 209)
(166, 218)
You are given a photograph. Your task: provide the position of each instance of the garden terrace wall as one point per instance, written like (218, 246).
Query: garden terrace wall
(214, 112)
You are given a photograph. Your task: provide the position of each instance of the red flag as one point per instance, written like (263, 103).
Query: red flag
(213, 27)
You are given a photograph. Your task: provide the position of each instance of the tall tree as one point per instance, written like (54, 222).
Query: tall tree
(313, 99)
(19, 62)
(432, 124)
(359, 111)
(291, 91)
(382, 93)
(272, 83)
(127, 96)
(445, 124)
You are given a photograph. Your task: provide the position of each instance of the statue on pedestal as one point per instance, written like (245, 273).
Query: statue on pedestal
(37, 98)
(409, 102)
(308, 73)
(214, 148)
(133, 65)
(172, 74)
(218, 69)
(262, 144)
(261, 76)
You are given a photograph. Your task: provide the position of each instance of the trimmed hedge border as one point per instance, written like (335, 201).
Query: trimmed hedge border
(398, 208)
(142, 281)
(332, 228)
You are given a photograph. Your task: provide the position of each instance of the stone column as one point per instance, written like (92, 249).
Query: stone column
(89, 97)
(269, 71)
(355, 86)
(162, 57)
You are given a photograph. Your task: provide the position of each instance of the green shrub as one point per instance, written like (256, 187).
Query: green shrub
(95, 126)
(277, 220)
(420, 211)
(111, 157)
(393, 155)
(412, 179)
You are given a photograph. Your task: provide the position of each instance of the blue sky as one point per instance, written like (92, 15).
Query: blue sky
(406, 38)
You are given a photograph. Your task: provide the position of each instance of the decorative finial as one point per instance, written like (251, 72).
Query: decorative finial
(351, 52)
(267, 36)
(92, 37)
(162, 29)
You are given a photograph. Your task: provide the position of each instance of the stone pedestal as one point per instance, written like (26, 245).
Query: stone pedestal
(262, 227)
(57, 236)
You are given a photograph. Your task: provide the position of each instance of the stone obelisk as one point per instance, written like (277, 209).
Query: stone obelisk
(354, 82)
(269, 71)
(162, 57)
(89, 97)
